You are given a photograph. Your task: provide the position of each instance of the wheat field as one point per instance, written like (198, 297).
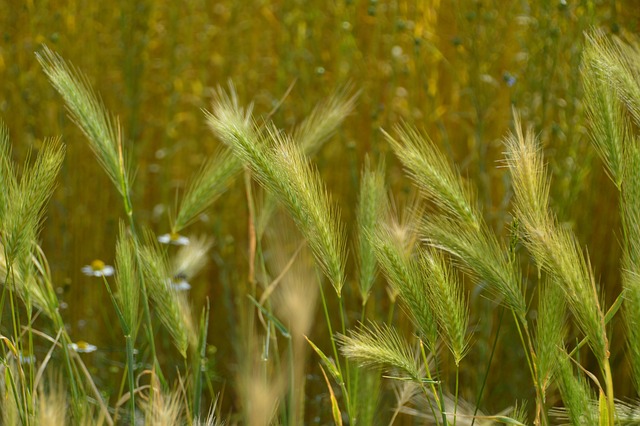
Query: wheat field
(345, 212)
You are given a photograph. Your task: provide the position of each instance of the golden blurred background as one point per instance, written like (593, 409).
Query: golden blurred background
(455, 68)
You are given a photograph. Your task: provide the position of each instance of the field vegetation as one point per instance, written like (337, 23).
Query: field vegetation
(352, 212)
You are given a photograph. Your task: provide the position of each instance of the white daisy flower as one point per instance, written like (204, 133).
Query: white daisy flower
(180, 285)
(83, 347)
(173, 238)
(98, 268)
(27, 359)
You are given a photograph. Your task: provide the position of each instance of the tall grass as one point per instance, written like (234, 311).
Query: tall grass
(295, 323)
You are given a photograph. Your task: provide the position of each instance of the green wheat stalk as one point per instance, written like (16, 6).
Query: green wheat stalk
(556, 249)
(279, 165)
(88, 112)
(550, 331)
(459, 229)
(126, 303)
(172, 307)
(209, 183)
(409, 280)
(381, 345)
(371, 206)
(618, 66)
(447, 302)
(323, 121)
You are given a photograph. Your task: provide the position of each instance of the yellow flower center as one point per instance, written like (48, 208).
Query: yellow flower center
(82, 345)
(174, 236)
(97, 265)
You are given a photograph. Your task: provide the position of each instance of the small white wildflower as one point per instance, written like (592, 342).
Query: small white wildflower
(173, 238)
(181, 285)
(83, 347)
(27, 359)
(98, 268)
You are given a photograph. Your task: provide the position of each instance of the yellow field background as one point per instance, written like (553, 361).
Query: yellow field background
(454, 68)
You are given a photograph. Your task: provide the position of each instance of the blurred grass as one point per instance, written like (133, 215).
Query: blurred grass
(454, 68)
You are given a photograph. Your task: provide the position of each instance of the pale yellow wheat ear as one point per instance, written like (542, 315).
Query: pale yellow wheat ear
(9, 405)
(213, 417)
(403, 219)
(165, 407)
(260, 387)
(191, 258)
(52, 404)
(294, 286)
(292, 290)
(418, 407)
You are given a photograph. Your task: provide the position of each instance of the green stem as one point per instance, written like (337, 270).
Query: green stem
(391, 312)
(530, 355)
(352, 392)
(335, 350)
(201, 355)
(486, 373)
(455, 401)
(443, 408)
(130, 375)
(75, 393)
(609, 389)
(145, 297)
(431, 384)
(293, 420)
